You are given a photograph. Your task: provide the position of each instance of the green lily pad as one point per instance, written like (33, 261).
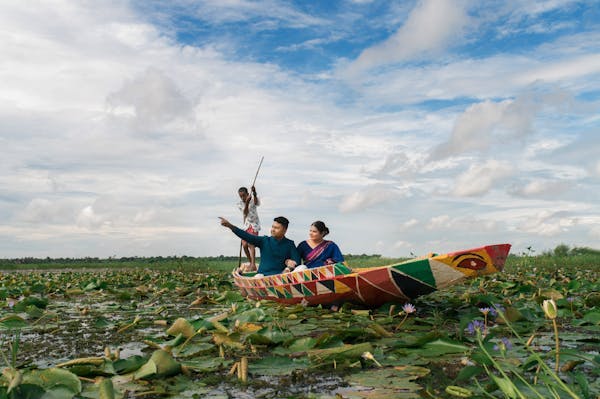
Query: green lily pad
(181, 326)
(384, 383)
(22, 305)
(441, 347)
(277, 365)
(132, 363)
(207, 365)
(161, 364)
(12, 321)
(54, 379)
(346, 352)
(269, 335)
(194, 349)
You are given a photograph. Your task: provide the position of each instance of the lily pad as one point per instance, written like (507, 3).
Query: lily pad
(277, 365)
(206, 365)
(54, 379)
(161, 364)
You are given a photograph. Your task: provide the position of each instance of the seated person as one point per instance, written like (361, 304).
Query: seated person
(276, 251)
(316, 251)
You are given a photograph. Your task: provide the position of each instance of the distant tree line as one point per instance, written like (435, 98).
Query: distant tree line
(111, 259)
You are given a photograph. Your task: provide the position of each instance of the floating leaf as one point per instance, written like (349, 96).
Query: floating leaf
(194, 349)
(160, 364)
(181, 326)
(441, 347)
(206, 365)
(106, 389)
(232, 341)
(382, 384)
(277, 365)
(53, 379)
(346, 352)
(132, 363)
(12, 321)
(22, 305)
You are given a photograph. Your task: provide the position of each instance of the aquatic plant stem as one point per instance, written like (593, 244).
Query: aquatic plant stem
(541, 361)
(485, 393)
(557, 345)
(401, 322)
(500, 370)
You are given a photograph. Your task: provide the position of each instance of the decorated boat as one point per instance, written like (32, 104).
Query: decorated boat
(374, 286)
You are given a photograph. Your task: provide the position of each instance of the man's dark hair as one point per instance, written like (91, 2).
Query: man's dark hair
(282, 221)
(243, 190)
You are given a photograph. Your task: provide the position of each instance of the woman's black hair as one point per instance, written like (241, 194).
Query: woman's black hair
(321, 227)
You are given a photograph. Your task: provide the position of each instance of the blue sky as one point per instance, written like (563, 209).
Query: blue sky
(408, 127)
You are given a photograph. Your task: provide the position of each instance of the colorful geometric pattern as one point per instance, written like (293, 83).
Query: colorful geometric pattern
(334, 284)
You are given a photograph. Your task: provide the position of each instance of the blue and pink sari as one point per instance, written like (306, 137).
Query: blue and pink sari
(326, 253)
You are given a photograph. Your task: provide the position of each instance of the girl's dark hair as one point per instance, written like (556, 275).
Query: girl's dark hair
(321, 227)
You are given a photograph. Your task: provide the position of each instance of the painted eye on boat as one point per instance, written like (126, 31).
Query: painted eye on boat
(472, 263)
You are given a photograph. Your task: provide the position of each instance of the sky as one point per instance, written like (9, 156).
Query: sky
(127, 127)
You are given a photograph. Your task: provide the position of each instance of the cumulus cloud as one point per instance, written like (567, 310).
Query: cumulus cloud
(368, 197)
(479, 179)
(541, 188)
(398, 164)
(409, 224)
(43, 211)
(548, 223)
(470, 224)
(489, 122)
(89, 219)
(150, 100)
(431, 25)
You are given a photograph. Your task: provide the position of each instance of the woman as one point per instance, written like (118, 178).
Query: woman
(316, 251)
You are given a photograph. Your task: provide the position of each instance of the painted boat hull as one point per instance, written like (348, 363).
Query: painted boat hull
(400, 282)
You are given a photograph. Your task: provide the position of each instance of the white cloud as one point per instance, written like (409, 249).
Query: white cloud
(548, 223)
(487, 123)
(541, 188)
(368, 197)
(270, 12)
(479, 179)
(431, 25)
(152, 100)
(89, 219)
(44, 211)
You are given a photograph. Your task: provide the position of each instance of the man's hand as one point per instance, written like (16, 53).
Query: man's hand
(225, 222)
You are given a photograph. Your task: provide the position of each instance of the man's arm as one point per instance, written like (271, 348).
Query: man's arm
(255, 196)
(293, 260)
(252, 239)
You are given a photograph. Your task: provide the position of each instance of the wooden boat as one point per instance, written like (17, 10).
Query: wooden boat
(374, 286)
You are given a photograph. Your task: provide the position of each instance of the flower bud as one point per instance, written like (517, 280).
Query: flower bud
(550, 309)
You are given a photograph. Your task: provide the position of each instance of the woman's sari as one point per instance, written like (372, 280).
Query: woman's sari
(318, 252)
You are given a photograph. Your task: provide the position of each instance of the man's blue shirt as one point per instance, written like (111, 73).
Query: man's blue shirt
(273, 252)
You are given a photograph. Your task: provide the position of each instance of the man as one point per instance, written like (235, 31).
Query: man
(247, 205)
(276, 252)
